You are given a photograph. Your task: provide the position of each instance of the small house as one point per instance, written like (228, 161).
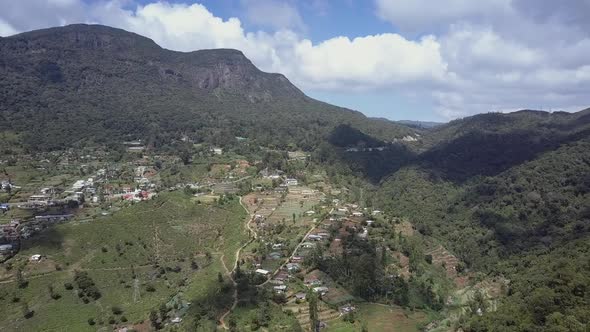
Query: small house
(345, 309)
(321, 290)
(5, 247)
(39, 199)
(312, 280)
(282, 276)
(293, 267)
(307, 245)
(297, 259)
(4, 207)
(275, 255)
(281, 288)
(263, 272)
(314, 237)
(290, 182)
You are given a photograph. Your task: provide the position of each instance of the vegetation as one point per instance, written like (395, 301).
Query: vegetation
(507, 194)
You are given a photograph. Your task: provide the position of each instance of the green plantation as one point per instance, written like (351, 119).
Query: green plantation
(136, 260)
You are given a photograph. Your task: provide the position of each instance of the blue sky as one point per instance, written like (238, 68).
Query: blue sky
(398, 59)
(337, 18)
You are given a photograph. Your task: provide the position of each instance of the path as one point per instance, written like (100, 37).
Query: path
(252, 234)
(290, 257)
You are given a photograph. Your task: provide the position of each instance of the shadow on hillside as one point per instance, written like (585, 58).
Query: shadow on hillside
(366, 155)
(47, 239)
(489, 154)
(376, 165)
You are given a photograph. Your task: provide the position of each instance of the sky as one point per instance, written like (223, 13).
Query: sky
(398, 59)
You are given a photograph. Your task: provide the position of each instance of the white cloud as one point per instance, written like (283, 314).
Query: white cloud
(477, 46)
(422, 15)
(273, 14)
(477, 56)
(506, 54)
(371, 61)
(6, 29)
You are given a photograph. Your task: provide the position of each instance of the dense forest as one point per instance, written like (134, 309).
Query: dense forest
(510, 207)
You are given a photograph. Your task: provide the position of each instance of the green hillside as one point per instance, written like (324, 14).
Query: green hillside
(139, 258)
(96, 84)
(510, 194)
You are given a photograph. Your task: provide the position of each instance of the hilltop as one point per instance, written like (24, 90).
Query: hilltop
(93, 83)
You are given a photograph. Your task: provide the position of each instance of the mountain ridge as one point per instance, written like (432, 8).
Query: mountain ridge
(122, 84)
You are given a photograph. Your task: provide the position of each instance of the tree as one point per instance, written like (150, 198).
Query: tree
(233, 324)
(163, 310)
(116, 310)
(27, 312)
(238, 272)
(52, 293)
(313, 311)
(219, 277)
(20, 279)
(384, 256)
(154, 319)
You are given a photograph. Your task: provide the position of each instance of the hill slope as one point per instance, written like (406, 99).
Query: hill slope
(510, 194)
(89, 82)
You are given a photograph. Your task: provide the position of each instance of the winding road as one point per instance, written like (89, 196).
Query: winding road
(253, 236)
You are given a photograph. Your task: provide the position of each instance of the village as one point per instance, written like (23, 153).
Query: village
(294, 219)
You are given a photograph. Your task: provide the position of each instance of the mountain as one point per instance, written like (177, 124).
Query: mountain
(420, 124)
(92, 83)
(510, 195)
(488, 144)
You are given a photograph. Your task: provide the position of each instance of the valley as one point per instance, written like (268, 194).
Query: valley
(144, 189)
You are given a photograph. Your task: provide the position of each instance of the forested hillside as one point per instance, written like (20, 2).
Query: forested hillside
(510, 194)
(90, 83)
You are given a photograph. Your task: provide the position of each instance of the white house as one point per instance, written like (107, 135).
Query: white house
(263, 272)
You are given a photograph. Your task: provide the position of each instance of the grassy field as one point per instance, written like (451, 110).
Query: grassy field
(138, 258)
(278, 320)
(378, 318)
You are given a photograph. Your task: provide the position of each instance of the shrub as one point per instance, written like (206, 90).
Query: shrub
(117, 310)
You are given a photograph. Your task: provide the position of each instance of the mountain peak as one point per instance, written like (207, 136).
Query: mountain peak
(95, 52)
(89, 36)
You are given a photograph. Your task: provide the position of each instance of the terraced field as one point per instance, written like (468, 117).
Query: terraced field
(301, 312)
(442, 257)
